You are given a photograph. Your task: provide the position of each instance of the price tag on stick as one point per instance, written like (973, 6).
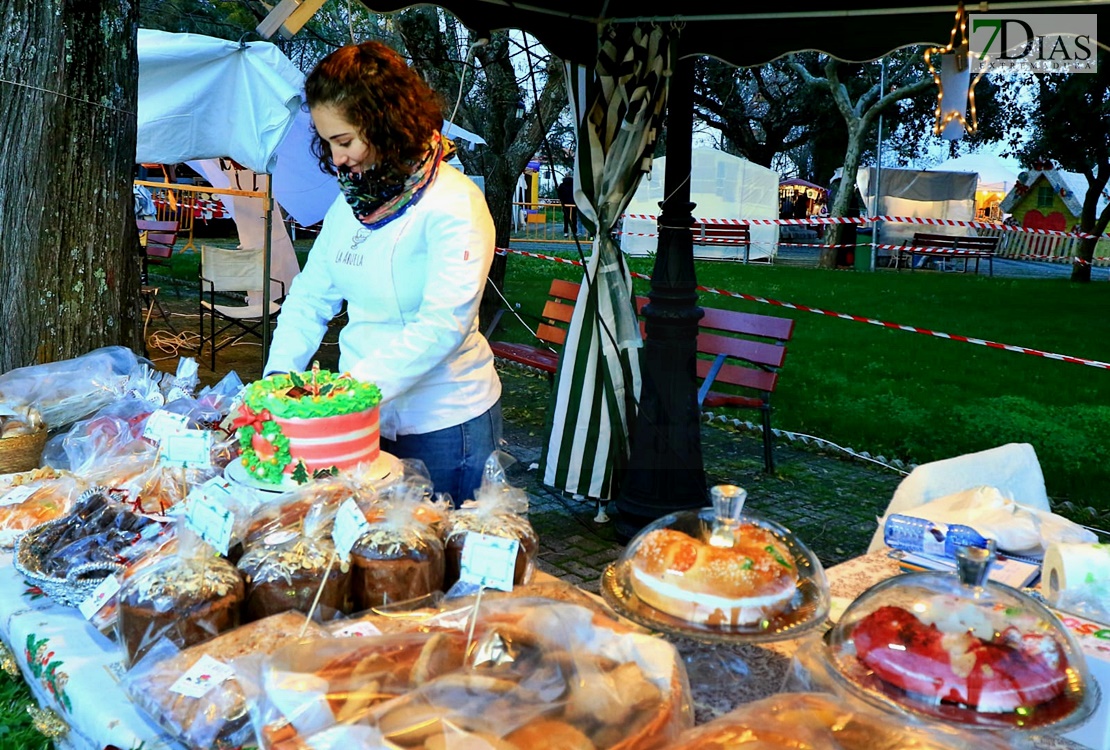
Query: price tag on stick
(489, 561)
(207, 514)
(161, 424)
(188, 448)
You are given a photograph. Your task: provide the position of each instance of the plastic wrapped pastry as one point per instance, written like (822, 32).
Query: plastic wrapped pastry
(216, 717)
(530, 674)
(188, 597)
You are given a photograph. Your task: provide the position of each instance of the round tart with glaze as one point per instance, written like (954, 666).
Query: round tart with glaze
(717, 586)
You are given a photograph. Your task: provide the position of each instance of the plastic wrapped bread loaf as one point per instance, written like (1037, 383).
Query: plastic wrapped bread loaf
(219, 718)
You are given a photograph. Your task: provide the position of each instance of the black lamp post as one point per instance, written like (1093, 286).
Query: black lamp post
(665, 470)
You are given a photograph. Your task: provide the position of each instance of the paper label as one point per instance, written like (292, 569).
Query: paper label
(489, 561)
(189, 448)
(175, 393)
(161, 424)
(350, 524)
(208, 516)
(206, 674)
(362, 629)
(932, 542)
(99, 597)
(17, 495)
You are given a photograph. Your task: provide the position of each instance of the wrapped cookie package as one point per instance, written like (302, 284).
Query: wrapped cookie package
(521, 675)
(821, 720)
(196, 693)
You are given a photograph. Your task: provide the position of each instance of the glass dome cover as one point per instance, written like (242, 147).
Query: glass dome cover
(961, 649)
(719, 574)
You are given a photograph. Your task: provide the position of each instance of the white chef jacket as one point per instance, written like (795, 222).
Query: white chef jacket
(412, 289)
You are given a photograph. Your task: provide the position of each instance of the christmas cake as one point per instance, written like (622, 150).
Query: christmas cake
(303, 425)
(717, 586)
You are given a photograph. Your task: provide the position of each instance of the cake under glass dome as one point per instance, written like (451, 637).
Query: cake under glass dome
(960, 649)
(719, 574)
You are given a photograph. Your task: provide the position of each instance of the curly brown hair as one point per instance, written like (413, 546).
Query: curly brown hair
(394, 109)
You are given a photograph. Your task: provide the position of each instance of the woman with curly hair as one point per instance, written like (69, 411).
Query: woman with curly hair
(407, 245)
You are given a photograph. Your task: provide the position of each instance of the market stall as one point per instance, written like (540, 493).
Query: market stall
(182, 544)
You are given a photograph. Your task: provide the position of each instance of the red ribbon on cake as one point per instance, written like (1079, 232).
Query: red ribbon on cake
(248, 418)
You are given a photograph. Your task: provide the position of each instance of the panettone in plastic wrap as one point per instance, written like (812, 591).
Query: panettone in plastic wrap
(957, 648)
(719, 574)
(190, 596)
(296, 567)
(525, 674)
(398, 558)
(498, 509)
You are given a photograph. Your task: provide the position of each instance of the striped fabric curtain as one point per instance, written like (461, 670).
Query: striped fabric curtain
(618, 109)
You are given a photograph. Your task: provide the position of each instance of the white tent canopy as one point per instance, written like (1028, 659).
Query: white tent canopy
(203, 98)
(918, 193)
(724, 187)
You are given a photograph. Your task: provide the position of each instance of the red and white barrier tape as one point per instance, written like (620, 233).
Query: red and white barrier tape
(846, 316)
(888, 219)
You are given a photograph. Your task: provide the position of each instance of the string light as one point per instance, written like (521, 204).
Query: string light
(963, 53)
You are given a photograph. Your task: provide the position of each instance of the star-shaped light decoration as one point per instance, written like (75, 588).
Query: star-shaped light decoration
(954, 69)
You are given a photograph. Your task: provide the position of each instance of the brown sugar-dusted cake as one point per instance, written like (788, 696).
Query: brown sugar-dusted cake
(398, 559)
(188, 600)
(285, 570)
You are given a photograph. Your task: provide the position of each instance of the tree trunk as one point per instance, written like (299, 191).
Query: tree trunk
(844, 196)
(1089, 224)
(70, 279)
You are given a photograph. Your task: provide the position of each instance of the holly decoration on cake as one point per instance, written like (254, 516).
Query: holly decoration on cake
(295, 395)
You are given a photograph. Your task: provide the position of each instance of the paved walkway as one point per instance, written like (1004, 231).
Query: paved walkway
(829, 501)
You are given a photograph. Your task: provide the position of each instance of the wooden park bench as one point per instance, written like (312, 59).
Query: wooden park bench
(741, 351)
(723, 234)
(947, 247)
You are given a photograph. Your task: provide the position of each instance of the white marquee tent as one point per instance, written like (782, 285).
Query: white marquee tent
(724, 187)
(918, 193)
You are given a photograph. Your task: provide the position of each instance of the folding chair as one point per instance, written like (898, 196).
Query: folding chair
(231, 271)
(157, 239)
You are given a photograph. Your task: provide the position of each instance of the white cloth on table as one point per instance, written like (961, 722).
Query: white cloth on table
(72, 669)
(1013, 469)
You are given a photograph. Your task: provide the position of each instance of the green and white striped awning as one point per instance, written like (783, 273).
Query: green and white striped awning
(619, 109)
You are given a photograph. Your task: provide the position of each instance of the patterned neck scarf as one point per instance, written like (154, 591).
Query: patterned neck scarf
(375, 204)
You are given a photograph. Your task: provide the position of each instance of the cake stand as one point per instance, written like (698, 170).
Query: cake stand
(725, 656)
(719, 526)
(386, 468)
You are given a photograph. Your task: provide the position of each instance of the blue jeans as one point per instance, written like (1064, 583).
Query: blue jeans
(455, 456)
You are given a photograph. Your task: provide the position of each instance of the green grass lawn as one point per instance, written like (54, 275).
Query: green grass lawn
(916, 397)
(905, 395)
(16, 729)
